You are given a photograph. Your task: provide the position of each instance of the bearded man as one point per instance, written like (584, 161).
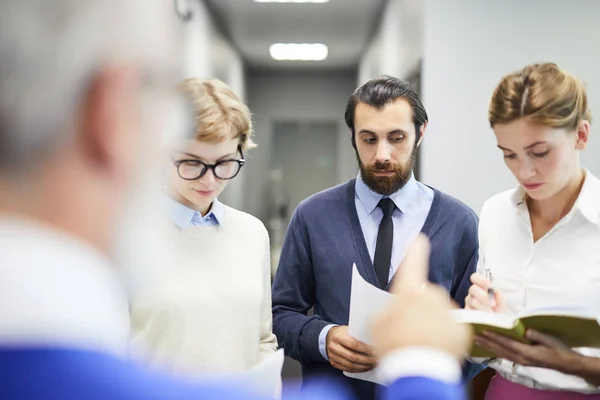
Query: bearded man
(369, 221)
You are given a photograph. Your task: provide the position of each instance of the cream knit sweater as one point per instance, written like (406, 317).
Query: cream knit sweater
(210, 311)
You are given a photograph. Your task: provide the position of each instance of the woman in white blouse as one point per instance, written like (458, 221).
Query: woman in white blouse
(540, 241)
(209, 309)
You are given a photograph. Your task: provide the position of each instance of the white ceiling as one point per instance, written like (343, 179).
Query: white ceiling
(343, 25)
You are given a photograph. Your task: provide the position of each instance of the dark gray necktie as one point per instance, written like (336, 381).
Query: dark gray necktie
(385, 238)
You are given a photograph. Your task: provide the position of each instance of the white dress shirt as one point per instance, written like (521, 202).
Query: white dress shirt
(57, 291)
(561, 269)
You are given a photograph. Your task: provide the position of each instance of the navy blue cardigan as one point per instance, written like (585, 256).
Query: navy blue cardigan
(322, 242)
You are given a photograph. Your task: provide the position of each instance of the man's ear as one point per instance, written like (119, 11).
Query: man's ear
(108, 118)
(422, 133)
(353, 138)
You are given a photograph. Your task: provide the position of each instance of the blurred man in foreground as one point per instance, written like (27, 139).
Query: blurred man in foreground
(84, 89)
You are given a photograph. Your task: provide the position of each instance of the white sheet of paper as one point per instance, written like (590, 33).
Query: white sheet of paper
(265, 377)
(366, 301)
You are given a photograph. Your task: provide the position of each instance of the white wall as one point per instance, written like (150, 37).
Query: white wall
(197, 34)
(228, 66)
(208, 53)
(370, 63)
(309, 96)
(469, 46)
(397, 43)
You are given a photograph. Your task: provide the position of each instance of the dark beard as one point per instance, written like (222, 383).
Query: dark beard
(386, 185)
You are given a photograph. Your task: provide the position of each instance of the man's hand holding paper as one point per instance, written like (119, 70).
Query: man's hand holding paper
(414, 317)
(348, 354)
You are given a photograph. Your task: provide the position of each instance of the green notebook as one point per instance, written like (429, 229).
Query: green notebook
(575, 327)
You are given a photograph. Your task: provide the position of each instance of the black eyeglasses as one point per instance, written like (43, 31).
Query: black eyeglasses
(190, 170)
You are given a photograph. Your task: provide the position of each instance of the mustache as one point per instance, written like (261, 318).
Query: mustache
(378, 166)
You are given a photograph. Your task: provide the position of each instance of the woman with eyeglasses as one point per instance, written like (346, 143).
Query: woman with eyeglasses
(210, 311)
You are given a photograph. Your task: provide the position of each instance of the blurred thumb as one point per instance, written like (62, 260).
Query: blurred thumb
(414, 269)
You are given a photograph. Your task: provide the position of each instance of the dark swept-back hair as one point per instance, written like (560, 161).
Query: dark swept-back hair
(381, 91)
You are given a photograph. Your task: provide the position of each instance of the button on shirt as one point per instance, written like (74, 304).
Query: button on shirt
(413, 202)
(561, 269)
(184, 217)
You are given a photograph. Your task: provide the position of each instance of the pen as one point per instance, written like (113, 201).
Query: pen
(488, 276)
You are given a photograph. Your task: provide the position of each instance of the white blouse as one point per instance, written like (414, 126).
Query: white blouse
(561, 269)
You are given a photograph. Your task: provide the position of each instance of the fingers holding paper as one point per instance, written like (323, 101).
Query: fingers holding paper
(418, 317)
(348, 354)
(544, 351)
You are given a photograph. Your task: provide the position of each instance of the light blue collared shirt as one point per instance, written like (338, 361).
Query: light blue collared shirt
(184, 217)
(413, 203)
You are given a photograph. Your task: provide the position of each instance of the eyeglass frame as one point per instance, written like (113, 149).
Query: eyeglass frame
(240, 161)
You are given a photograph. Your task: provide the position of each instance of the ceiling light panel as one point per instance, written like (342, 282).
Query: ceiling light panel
(298, 51)
(291, 1)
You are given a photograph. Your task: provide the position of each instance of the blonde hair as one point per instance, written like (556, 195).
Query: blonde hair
(543, 94)
(218, 113)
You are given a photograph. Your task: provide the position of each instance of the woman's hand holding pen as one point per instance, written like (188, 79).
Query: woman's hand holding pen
(483, 296)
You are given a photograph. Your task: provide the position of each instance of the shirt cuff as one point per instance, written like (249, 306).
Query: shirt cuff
(419, 361)
(323, 340)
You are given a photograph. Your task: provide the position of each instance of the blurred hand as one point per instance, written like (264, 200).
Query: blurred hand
(348, 354)
(478, 297)
(419, 315)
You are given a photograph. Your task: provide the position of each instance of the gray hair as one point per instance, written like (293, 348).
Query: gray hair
(49, 51)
